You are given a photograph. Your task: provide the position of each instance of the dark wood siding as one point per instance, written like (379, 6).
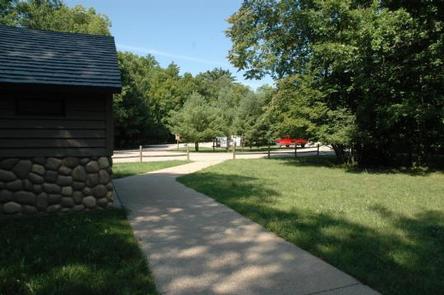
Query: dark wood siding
(84, 129)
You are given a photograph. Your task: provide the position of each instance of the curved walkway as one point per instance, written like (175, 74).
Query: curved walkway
(196, 245)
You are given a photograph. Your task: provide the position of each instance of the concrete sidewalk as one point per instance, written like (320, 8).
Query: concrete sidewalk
(196, 245)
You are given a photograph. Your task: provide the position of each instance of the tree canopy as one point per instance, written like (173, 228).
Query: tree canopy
(365, 75)
(195, 121)
(53, 15)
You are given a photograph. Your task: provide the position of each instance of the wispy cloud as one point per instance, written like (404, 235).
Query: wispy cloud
(254, 84)
(142, 50)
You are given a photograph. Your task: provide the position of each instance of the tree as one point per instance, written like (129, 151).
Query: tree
(252, 121)
(132, 119)
(194, 122)
(300, 109)
(168, 91)
(8, 12)
(226, 103)
(364, 64)
(209, 83)
(53, 15)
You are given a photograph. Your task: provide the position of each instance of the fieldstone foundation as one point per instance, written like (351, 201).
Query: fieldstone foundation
(44, 185)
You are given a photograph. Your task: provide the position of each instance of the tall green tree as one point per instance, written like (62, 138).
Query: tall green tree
(253, 121)
(364, 63)
(210, 83)
(132, 119)
(168, 91)
(299, 109)
(227, 102)
(195, 121)
(149, 93)
(8, 12)
(53, 15)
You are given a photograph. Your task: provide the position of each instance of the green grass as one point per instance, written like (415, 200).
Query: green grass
(85, 253)
(128, 169)
(386, 228)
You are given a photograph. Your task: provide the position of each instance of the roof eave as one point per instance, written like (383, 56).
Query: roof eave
(60, 87)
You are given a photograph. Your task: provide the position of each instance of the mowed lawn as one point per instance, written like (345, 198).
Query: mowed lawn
(84, 253)
(128, 169)
(385, 228)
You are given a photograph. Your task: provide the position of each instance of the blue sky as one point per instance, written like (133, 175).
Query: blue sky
(188, 32)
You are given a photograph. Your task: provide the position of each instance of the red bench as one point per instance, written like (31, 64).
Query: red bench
(290, 141)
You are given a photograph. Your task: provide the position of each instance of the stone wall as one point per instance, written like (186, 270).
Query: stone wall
(52, 185)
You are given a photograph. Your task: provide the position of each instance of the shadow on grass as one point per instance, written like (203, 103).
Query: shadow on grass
(405, 258)
(332, 162)
(85, 253)
(230, 186)
(121, 170)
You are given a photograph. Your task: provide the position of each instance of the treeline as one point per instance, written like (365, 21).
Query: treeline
(366, 77)
(218, 106)
(156, 103)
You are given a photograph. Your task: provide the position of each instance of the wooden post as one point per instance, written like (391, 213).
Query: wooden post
(177, 136)
(317, 152)
(269, 151)
(188, 152)
(140, 154)
(295, 150)
(234, 150)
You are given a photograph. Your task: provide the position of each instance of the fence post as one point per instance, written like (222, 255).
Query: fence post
(234, 150)
(317, 152)
(140, 154)
(269, 156)
(188, 152)
(295, 150)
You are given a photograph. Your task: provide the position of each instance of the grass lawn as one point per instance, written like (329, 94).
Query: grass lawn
(385, 228)
(127, 169)
(85, 253)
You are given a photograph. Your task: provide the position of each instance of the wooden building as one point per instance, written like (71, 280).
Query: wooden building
(56, 131)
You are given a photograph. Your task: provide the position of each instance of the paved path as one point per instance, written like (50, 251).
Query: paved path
(195, 245)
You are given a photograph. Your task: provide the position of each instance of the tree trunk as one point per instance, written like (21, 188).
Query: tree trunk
(339, 151)
(196, 146)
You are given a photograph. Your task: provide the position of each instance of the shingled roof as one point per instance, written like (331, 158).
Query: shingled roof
(64, 59)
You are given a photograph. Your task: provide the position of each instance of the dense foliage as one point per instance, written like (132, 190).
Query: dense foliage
(149, 93)
(365, 75)
(220, 107)
(53, 15)
(195, 121)
(156, 103)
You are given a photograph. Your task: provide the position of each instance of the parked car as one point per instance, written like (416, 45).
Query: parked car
(287, 141)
